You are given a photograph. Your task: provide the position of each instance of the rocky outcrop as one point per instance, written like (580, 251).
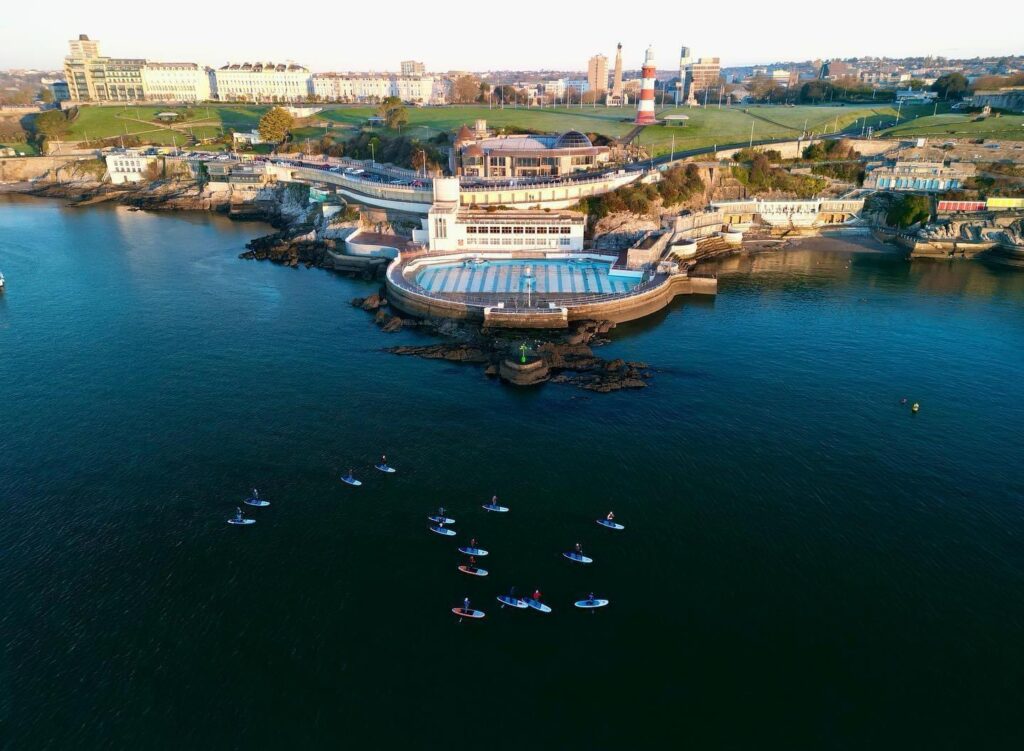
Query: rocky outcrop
(565, 359)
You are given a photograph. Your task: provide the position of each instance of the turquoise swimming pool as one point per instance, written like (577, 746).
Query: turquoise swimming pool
(554, 276)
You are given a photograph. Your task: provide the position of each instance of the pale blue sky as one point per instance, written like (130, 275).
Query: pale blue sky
(521, 35)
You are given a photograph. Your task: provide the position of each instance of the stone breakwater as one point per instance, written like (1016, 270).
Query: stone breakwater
(565, 357)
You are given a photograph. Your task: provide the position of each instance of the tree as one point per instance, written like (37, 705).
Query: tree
(393, 112)
(465, 89)
(46, 95)
(951, 86)
(51, 124)
(907, 210)
(274, 125)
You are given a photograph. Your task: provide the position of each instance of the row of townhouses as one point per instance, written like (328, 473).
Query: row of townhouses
(93, 77)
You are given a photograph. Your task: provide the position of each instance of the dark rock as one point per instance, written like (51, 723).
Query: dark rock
(373, 302)
(392, 325)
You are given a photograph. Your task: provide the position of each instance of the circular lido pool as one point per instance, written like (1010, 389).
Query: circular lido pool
(574, 275)
(534, 290)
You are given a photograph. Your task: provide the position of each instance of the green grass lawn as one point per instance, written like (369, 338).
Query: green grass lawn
(22, 148)
(710, 126)
(1005, 127)
(706, 126)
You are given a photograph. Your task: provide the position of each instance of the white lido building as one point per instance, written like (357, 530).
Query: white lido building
(262, 82)
(176, 82)
(453, 228)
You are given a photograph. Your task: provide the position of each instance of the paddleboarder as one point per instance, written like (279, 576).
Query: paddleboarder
(350, 477)
(536, 595)
(472, 562)
(465, 604)
(383, 460)
(238, 514)
(579, 548)
(611, 516)
(472, 543)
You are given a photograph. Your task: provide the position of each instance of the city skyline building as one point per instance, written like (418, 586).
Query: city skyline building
(597, 74)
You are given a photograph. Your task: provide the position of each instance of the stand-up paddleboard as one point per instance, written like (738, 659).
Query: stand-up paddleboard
(471, 613)
(473, 551)
(585, 604)
(496, 507)
(473, 570)
(512, 602)
(441, 519)
(241, 522)
(609, 524)
(351, 481)
(384, 468)
(572, 555)
(258, 502)
(443, 531)
(538, 605)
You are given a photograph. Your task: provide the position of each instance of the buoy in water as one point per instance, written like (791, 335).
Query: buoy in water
(916, 407)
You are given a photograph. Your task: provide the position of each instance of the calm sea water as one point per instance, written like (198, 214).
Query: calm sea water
(806, 564)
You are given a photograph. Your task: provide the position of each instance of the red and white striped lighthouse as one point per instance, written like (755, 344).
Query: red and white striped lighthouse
(645, 108)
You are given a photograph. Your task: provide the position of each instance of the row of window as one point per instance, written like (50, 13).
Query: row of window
(517, 230)
(540, 241)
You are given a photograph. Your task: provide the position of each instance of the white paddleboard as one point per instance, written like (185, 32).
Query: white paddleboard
(384, 468)
(258, 502)
(471, 613)
(499, 509)
(538, 605)
(585, 604)
(609, 525)
(443, 531)
(473, 570)
(241, 522)
(351, 481)
(441, 519)
(513, 603)
(578, 557)
(473, 551)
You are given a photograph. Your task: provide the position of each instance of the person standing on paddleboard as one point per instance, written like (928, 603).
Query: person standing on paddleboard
(383, 460)
(536, 595)
(472, 543)
(579, 548)
(472, 562)
(465, 604)
(611, 516)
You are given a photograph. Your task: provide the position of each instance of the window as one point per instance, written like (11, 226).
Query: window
(542, 230)
(566, 230)
(471, 230)
(564, 240)
(506, 230)
(441, 228)
(530, 230)
(517, 230)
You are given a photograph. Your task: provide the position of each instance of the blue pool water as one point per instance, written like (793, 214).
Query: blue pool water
(550, 276)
